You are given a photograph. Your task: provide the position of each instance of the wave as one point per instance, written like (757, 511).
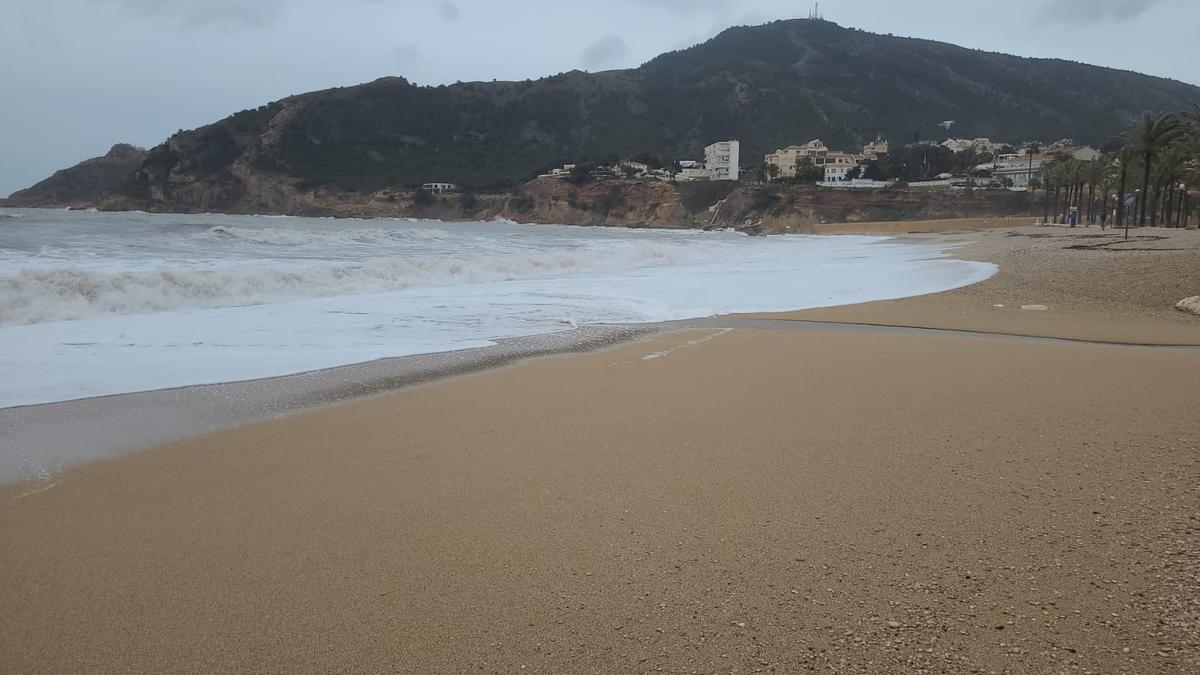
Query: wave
(282, 236)
(36, 295)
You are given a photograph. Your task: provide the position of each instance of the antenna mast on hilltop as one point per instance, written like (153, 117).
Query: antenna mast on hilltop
(815, 13)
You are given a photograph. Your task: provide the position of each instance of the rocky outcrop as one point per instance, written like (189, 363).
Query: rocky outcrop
(81, 185)
(627, 203)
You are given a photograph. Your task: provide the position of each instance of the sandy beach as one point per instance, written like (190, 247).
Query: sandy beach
(748, 495)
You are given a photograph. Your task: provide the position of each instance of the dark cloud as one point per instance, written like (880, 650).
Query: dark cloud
(448, 10)
(406, 53)
(606, 52)
(1097, 11)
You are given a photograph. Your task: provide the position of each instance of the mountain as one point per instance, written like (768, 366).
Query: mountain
(768, 86)
(83, 183)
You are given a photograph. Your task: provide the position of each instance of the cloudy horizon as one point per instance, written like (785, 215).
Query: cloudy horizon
(81, 75)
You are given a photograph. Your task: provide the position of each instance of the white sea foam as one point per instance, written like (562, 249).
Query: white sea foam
(56, 293)
(94, 304)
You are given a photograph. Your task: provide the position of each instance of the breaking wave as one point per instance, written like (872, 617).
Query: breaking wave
(36, 295)
(280, 236)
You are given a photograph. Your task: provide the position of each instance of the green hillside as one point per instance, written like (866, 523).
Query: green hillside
(768, 86)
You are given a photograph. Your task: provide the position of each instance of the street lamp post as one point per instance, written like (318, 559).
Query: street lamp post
(1137, 198)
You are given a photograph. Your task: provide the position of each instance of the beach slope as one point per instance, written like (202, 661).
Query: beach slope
(759, 496)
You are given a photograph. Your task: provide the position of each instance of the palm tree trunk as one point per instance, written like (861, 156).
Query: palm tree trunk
(1148, 157)
(1168, 203)
(1078, 204)
(1104, 210)
(1121, 222)
(1154, 208)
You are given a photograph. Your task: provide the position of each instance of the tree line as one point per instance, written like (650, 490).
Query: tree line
(1145, 177)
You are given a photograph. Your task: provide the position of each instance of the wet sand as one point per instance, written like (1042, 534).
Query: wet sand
(761, 498)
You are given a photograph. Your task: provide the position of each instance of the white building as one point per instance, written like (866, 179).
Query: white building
(1019, 169)
(558, 173)
(439, 188)
(633, 169)
(694, 172)
(839, 164)
(722, 159)
(979, 145)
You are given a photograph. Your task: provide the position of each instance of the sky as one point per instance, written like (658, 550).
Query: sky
(77, 76)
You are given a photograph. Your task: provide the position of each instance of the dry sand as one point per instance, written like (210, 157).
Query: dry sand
(921, 226)
(747, 499)
(1093, 285)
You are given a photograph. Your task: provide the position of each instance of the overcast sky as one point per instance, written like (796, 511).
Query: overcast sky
(77, 76)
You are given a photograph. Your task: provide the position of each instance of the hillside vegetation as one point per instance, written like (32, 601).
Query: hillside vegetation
(767, 85)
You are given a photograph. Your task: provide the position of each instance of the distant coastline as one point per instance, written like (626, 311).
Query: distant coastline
(745, 206)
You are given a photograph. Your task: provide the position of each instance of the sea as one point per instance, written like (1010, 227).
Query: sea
(93, 304)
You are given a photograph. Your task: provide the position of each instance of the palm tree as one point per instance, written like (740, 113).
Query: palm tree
(1108, 183)
(1167, 171)
(1191, 178)
(1189, 173)
(1098, 173)
(1047, 173)
(1033, 149)
(1126, 156)
(1074, 179)
(1191, 120)
(1060, 174)
(1151, 135)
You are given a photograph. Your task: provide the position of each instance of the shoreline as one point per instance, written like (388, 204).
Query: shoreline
(119, 424)
(85, 430)
(36, 444)
(734, 493)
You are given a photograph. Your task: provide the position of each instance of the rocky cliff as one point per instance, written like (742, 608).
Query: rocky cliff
(83, 184)
(765, 209)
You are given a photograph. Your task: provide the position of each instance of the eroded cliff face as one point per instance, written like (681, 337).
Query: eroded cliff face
(763, 209)
(748, 207)
(625, 203)
(770, 209)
